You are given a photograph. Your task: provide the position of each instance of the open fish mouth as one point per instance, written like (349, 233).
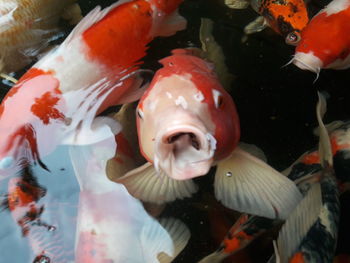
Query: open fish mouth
(185, 152)
(192, 138)
(307, 61)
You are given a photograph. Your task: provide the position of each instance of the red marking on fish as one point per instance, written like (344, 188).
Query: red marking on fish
(326, 36)
(297, 258)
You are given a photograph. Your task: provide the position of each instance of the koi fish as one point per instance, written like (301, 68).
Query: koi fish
(45, 240)
(186, 124)
(287, 18)
(305, 171)
(120, 231)
(323, 45)
(94, 68)
(26, 28)
(310, 232)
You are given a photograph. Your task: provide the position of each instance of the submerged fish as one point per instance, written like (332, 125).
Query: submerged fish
(306, 171)
(310, 233)
(186, 124)
(91, 70)
(33, 217)
(286, 17)
(325, 42)
(27, 26)
(112, 226)
(22, 201)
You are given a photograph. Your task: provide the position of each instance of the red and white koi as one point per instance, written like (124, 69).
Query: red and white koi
(186, 124)
(91, 70)
(325, 42)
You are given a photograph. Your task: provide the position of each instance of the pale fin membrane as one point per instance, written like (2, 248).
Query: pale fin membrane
(179, 233)
(324, 147)
(253, 150)
(247, 184)
(169, 26)
(148, 185)
(299, 223)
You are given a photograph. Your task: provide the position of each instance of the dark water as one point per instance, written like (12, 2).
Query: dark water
(276, 106)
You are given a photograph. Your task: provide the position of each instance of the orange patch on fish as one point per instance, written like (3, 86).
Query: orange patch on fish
(297, 258)
(285, 16)
(311, 158)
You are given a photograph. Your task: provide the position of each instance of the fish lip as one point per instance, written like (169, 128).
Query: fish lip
(185, 129)
(180, 168)
(303, 65)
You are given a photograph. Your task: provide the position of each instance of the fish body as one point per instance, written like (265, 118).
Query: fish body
(26, 27)
(90, 71)
(286, 17)
(186, 120)
(117, 231)
(188, 123)
(324, 42)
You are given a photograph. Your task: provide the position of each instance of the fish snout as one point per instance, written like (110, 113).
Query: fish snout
(308, 61)
(184, 152)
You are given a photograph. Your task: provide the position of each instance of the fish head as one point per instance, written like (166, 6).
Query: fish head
(186, 120)
(287, 18)
(323, 44)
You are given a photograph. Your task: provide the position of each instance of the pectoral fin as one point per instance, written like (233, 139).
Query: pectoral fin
(180, 235)
(257, 25)
(237, 4)
(249, 185)
(148, 185)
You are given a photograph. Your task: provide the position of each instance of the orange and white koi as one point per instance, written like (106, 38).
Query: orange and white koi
(27, 26)
(286, 17)
(186, 124)
(91, 70)
(325, 42)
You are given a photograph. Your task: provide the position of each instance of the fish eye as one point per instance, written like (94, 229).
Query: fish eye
(140, 114)
(293, 38)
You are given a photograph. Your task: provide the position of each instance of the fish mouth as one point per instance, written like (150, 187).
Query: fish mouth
(184, 152)
(307, 61)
